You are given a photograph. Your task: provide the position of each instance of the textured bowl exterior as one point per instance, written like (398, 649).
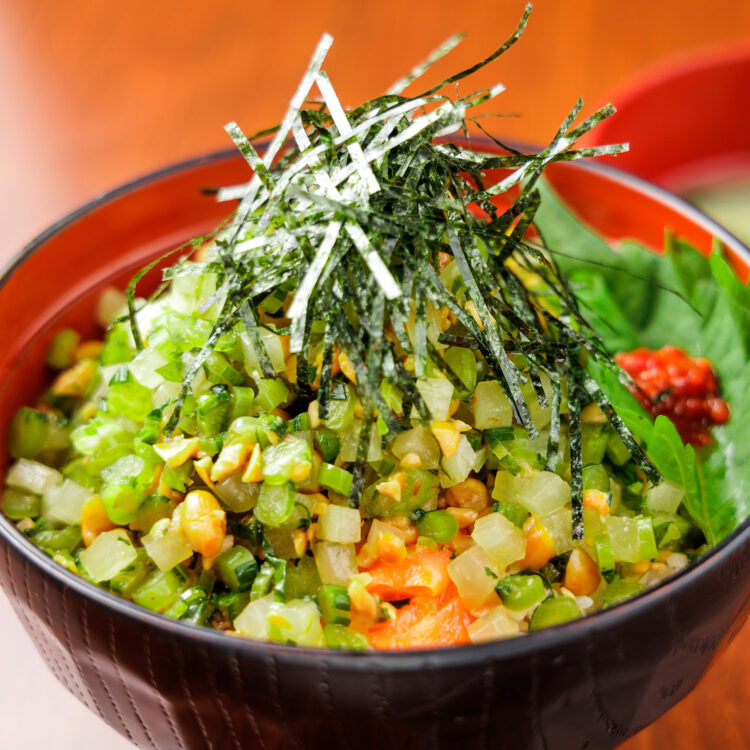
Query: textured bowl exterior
(163, 684)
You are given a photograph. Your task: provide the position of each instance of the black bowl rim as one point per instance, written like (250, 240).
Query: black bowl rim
(401, 661)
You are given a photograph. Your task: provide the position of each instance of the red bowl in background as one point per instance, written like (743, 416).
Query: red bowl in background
(165, 684)
(687, 121)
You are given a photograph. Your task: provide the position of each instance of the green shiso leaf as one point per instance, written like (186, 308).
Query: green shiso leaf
(708, 316)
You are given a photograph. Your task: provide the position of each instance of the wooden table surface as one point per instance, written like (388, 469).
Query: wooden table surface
(94, 93)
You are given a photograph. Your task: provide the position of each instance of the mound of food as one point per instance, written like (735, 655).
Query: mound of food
(378, 408)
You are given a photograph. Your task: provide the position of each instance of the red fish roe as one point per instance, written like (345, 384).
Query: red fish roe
(680, 387)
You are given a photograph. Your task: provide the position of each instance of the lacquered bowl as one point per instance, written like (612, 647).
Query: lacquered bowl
(165, 684)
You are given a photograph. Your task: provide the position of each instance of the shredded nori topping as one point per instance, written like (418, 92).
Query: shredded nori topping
(356, 213)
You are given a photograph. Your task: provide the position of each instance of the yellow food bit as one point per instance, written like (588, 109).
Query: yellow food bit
(290, 369)
(592, 414)
(231, 458)
(88, 350)
(203, 523)
(582, 576)
(471, 493)
(94, 520)
(175, 452)
(405, 524)
(642, 566)
(461, 426)
(410, 461)
(394, 486)
(597, 500)
(362, 601)
(447, 436)
(367, 555)
(390, 547)
(301, 471)
(313, 411)
(88, 411)
(312, 534)
(464, 516)
(453, 408)
(74, 381)
(299, 542)
(540, 547)
(321, 501)
(472, 310)
(203, 469)
(347, 368)
(156, 481)
(169, 493)
(253, 472)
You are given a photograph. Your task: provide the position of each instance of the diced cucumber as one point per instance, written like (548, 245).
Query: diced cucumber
(237, 568)
(335, 478)
(334, 604)
(275, 503)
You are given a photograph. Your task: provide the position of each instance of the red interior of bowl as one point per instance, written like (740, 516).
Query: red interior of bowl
(688, 123)
(58, 281)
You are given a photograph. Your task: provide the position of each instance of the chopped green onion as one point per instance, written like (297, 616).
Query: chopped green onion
(237, 568)
(335, 478)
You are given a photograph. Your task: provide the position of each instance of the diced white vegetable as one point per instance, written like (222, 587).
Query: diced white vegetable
(544, 492)
(380, 527)
(507, 487)
(437, 394)
(677, 561)
(237, 495)
(112, 303)
(540, 415)
(273, 347)
(336, 563)
(340, 524)
(188, 293)
(32, 476)
(350, 442)
(491, 407)
(148, 315)
(469, 572)
(479, 458)
(144, 365)
(420, 441)
(623, 536)
(253, 620)
(458, 467)
(64, 502)
(110, 553)
(500, 538)
(297, 621)
(126, 466)
(165, 544)
(165, 391)
(665, 497)
(559, 524)
(492, 626)
(593, 524)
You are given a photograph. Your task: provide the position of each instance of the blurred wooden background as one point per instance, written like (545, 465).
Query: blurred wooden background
(94, 93)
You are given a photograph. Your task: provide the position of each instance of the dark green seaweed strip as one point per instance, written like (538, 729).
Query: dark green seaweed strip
(638, 454)
(576, 455)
